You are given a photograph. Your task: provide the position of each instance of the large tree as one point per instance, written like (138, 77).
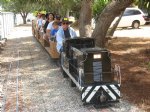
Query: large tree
(113, 9)
(106, 13)
(85, 18)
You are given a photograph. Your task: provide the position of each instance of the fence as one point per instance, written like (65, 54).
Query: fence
(6, 23)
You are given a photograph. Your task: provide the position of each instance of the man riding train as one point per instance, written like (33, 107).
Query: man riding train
(64, 32)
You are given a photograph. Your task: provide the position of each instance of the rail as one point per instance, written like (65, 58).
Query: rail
(118, 73)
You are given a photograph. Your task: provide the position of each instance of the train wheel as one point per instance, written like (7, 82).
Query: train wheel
(72, 83)
(64, 74)
(61, 60)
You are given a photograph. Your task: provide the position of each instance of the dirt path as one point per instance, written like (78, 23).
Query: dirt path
(133, 55)
(31, 82)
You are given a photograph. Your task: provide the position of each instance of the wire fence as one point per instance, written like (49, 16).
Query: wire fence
(6, 23)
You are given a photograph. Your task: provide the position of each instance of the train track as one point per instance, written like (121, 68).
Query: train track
(97, 108)
(12, 84)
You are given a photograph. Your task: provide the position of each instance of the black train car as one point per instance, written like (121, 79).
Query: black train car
(89, 68)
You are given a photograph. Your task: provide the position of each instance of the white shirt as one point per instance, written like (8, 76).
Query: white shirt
(50, 26)
(60, 37)
(39, 22)
(44, 21)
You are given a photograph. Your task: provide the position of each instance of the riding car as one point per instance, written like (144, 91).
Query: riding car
(132, 17)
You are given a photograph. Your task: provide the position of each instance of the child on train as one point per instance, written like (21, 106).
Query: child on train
(54, 31)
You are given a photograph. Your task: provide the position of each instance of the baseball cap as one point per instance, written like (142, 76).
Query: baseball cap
(58, 17)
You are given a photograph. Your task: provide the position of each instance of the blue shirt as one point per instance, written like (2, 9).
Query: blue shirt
(60, 37)
(53, 32)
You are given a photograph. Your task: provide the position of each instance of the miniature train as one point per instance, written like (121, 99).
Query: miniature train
(89, 69)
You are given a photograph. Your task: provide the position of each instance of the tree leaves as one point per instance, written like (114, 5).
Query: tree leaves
(98, 7)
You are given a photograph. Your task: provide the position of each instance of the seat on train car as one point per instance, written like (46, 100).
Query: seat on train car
(77, 43)
(52, 50)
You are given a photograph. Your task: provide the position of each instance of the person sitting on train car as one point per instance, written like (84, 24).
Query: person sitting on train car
(49, 18)
(44, 19)
(39, 21)
(43, 22)
(50, 25)
(45, 25)
(54, 31)
(65, 32)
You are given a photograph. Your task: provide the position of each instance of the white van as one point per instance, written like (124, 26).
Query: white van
(132, 17)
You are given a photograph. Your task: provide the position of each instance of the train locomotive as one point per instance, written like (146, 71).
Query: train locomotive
(90, 70)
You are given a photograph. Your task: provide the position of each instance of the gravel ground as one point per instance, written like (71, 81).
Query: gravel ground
(31, 82)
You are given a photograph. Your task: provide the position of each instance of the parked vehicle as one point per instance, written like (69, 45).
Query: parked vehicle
(132, 17)
(147, 19)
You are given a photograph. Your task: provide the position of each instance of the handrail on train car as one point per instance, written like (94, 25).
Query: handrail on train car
(118, 73)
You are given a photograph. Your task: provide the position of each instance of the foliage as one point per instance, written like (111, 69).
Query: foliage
(22, 7)
(143, 4)
(72, 6)
(58, 6)
(98, 7)
(17, 6)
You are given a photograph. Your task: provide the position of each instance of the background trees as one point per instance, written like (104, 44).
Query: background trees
(62, 7)
(22, 7)
(143, 4)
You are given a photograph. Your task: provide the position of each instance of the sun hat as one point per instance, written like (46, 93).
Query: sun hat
(66, 20)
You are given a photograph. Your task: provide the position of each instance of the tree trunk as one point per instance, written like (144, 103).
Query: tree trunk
(67, 13)
(112, 30)
(24, 20)
(105, 19)
(24, 16)
(85, 18)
